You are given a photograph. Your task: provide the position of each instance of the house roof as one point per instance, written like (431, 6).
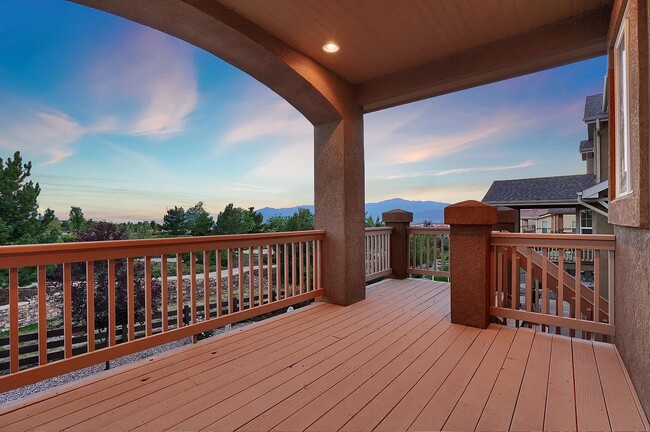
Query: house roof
(586, 146)
(562, 211)
(594, 108)
(557, 191)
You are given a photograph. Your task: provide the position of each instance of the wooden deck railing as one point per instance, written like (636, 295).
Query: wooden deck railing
(378, 252)
(586, 255)
(428, 251)
(285, 270)
(529, 287)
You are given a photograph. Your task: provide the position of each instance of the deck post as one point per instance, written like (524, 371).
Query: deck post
(471, 223)
(507, 219)
(399, 241)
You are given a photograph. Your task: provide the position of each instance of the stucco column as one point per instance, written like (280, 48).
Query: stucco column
(399, 241)
(471, 223)
(340, 207)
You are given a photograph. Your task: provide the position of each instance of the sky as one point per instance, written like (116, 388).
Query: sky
(126, 122)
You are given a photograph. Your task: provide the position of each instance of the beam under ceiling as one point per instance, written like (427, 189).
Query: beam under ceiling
(563, 42)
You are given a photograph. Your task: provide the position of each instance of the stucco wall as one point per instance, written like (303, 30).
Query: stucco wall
(632, 306)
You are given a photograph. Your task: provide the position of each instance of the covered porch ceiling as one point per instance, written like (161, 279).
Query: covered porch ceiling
(399, 51)
(392, 52)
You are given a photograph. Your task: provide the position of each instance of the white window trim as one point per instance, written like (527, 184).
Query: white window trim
(623, 32)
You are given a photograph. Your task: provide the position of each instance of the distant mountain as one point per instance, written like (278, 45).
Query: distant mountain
(422, 210)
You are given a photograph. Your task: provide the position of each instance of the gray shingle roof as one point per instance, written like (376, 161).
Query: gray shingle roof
(594, 107)
(558, 190)
(586, 146)
(562, 211)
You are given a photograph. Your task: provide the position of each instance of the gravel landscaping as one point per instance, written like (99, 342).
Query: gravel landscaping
(26, 391)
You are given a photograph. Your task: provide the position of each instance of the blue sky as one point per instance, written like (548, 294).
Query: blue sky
(125, 122)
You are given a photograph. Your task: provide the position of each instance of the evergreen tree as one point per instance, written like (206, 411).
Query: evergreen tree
(301, 220)
(199, 221)
(20, 222)
(234, 220)
(174, 221)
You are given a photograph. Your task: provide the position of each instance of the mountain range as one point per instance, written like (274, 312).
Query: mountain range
(422, 210)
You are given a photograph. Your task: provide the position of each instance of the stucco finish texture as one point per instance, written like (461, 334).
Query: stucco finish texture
(632, 306)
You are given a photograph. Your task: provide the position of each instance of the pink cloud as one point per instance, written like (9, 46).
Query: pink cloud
(152, 71)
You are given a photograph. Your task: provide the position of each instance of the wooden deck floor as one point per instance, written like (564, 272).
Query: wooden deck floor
(391, 362)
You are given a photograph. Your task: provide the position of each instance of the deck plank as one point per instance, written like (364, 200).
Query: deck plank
(427, 332)
(406, 411)
(467, 412)
(591, 411)
(560, 400)
(531, 404)
(500, 407)
(346, 358)
(435, 413)
(621, 407)
(191, 406)
(391, 362)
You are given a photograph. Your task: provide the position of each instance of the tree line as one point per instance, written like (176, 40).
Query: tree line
(22, 223)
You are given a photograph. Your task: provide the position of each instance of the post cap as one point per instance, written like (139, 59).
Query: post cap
(397, 216)
(470, 213)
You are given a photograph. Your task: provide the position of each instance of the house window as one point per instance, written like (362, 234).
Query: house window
(544, 227)
(621, 72)
(586, 222)
(573, 226)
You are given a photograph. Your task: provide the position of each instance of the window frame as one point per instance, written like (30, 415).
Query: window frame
(589, 227)
(622, 138)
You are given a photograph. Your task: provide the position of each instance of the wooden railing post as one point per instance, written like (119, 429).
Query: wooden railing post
(399, 241)
(471, 223)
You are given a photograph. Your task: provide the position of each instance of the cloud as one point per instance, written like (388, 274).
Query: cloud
(153, 72)
(281, 137)
(263, 120)
(39, 130)
(411, 140)
(454, 171)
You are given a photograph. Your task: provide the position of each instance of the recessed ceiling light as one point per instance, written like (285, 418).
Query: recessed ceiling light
(331, 47)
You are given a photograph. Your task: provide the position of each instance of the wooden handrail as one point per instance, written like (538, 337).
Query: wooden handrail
(375, 230)
(566, 241)
(60, 253)
(295, 257)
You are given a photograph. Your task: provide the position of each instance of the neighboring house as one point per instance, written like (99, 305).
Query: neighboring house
(583, 196)
(543, 221)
